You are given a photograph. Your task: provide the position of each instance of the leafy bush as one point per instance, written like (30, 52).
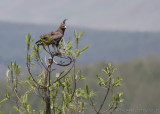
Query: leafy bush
(57, 87)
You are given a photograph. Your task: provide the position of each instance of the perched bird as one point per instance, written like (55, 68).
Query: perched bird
(53, 38)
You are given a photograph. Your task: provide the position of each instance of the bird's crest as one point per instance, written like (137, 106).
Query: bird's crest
(64, 21)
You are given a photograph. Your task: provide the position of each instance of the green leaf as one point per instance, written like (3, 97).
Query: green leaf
(83, 103)
(78, 53)
(108, 79)
(28, 83)
(25, 97)
(104, 71)
(7, 73)
(16, 109)
(69, 52)
(116, 82)
(81, 34)
(69, 43)
(28, 41)
(69, 48)
(57, 75)
(87, 89)
(107, 69)
(97, 76)
(101, 80)
(7, 95)
(75, 34)
(3, 100)
(11, 65)
(15, 65)
(121, 100)
(29, 37)
(8, 66)
(120, 94)
(82, 50)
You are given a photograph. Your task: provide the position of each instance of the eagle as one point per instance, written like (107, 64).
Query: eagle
(53, 38)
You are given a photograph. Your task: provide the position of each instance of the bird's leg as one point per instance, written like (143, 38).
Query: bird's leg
(60, 52)
(54, 47)
(45, 49)
(49, 50)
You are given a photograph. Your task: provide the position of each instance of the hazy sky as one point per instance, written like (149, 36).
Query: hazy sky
(136, 15)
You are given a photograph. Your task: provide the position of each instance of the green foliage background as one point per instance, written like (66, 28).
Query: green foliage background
(140, 84)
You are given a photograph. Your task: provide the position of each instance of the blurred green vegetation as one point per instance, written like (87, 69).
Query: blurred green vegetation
(141, 82)
(140, 86)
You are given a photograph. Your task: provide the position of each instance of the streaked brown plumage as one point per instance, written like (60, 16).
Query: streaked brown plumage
(54, 37)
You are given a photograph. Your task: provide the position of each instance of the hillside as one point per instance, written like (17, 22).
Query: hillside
(105, 45)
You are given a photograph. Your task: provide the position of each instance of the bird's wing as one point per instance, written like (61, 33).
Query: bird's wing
(56, 35)
(45, 36)
(51, 38)
(53, 35)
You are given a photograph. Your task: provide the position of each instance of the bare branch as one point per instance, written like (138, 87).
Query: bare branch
(75, 82)
(29, 71)
(70, 61)
(92, 104)
(63, 75)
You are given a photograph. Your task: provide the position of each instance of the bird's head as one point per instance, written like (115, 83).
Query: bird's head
(62, 25)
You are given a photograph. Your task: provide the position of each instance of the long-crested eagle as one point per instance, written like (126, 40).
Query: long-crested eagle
(53, 38)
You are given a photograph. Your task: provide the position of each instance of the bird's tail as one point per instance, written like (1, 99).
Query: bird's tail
(38, 43)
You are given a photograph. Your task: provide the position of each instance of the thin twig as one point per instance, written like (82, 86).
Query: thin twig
(114, 108)
(70, 61)
(75, 83)
(109, 108)
(28, 67)
(105, 96)
(92, 104)
(39, 58)
(63, 75)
